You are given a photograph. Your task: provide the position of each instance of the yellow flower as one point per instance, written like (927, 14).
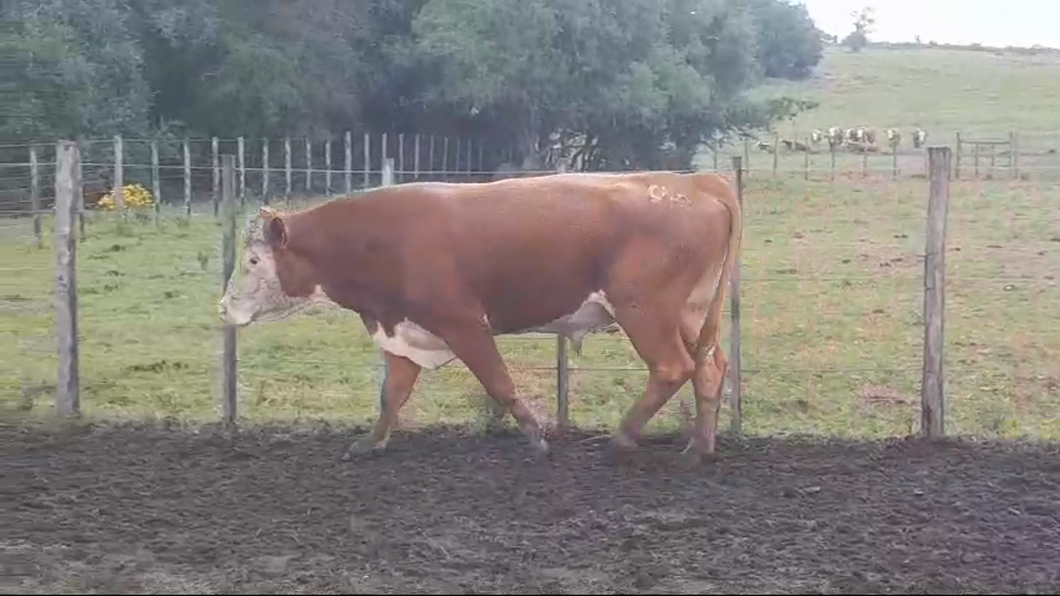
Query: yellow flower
(136, 196)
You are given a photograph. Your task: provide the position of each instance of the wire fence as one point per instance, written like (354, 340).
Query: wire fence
(831, 329)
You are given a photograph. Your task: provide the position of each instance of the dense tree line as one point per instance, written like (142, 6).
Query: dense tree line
(630, 83)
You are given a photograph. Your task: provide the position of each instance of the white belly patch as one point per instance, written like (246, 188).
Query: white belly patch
(429, 351)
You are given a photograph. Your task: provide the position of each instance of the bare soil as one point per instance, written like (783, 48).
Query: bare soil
(141, 508)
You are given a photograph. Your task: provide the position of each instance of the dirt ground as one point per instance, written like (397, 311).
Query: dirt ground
(148, 509)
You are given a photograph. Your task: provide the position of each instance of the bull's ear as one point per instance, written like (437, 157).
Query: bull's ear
(275, 231)
(267, 212)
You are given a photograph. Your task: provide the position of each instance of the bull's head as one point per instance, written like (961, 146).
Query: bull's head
(273, 282)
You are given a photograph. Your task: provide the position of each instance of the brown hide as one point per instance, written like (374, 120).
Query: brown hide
(522, 252)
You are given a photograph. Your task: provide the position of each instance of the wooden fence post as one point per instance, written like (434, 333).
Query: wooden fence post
(347, 165)
(1014, 151)
(67, 191)
(327, 166)
(118, 190)
(401, 156)
(735, 375)
(187, 178)
(215, 175)
(34, 195)
(367, 159)
(287, 169)
(562, 365)
(386, 179)
(958, 151)
(805, 161)
(776, 152)
(388, 172)
(932, 400)
(265, 171)
(416, 157)
(228, 265)
(156, 180)
(308, 166)
(241, 151)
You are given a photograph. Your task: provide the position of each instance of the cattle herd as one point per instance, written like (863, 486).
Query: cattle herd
(861, 139)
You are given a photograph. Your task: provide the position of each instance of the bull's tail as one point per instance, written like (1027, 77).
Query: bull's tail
(709, 333)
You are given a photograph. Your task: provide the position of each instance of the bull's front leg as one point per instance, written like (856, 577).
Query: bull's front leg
(398, 381)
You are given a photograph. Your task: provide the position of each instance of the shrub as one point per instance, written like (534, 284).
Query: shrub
(136, 197)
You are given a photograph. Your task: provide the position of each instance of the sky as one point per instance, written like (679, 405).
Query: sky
(989, 22)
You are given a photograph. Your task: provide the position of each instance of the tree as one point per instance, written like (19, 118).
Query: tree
(620, 83)
(863, 23)
(788, 42)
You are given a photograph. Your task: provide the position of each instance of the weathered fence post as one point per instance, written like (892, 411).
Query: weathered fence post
(187, 178)
(228, 265)
(347, 165)
(932, 400)
(776, 152)
(241, 151)
(958, 151)
(416, 156)
(386, 179)
(805, 161)
(34, 195)
(215, 175)
(287, 169)
(265, 171)
(401, 156)
(388, 172)
(327, 166)
(67, 191)
(118, 190)
(735, 375)
(308, 166)
(1014, 151)
(445, 156)
(562, 366)
(156, 180)
(367, 160)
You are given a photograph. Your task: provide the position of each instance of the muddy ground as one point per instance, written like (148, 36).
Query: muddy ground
(149, 509)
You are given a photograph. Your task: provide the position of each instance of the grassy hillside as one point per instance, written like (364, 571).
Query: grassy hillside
(980, 93)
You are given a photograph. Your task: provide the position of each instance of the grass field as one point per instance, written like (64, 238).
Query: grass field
(981, 93)
(832, 292)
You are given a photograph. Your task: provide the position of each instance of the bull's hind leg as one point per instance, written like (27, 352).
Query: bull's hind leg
(400, 378)
(707, 383)
(659, 344)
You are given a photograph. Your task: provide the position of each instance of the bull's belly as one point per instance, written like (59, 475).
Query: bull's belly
(431, 352)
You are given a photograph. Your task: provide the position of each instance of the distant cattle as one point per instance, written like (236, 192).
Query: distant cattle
(835, 137)
(919, 138)
(894, 138)
(437, 270)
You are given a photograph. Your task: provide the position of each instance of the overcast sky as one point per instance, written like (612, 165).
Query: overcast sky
(989, 22)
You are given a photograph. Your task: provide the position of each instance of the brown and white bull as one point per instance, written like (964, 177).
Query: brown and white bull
(437, 270)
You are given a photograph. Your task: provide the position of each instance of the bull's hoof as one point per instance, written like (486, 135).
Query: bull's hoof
(694, 454)
(363, 447)
(622, 448)
(538, 443)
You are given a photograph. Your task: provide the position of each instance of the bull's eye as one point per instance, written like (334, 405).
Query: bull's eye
(253, 260)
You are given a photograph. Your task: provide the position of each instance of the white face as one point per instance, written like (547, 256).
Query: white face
(257, 291)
